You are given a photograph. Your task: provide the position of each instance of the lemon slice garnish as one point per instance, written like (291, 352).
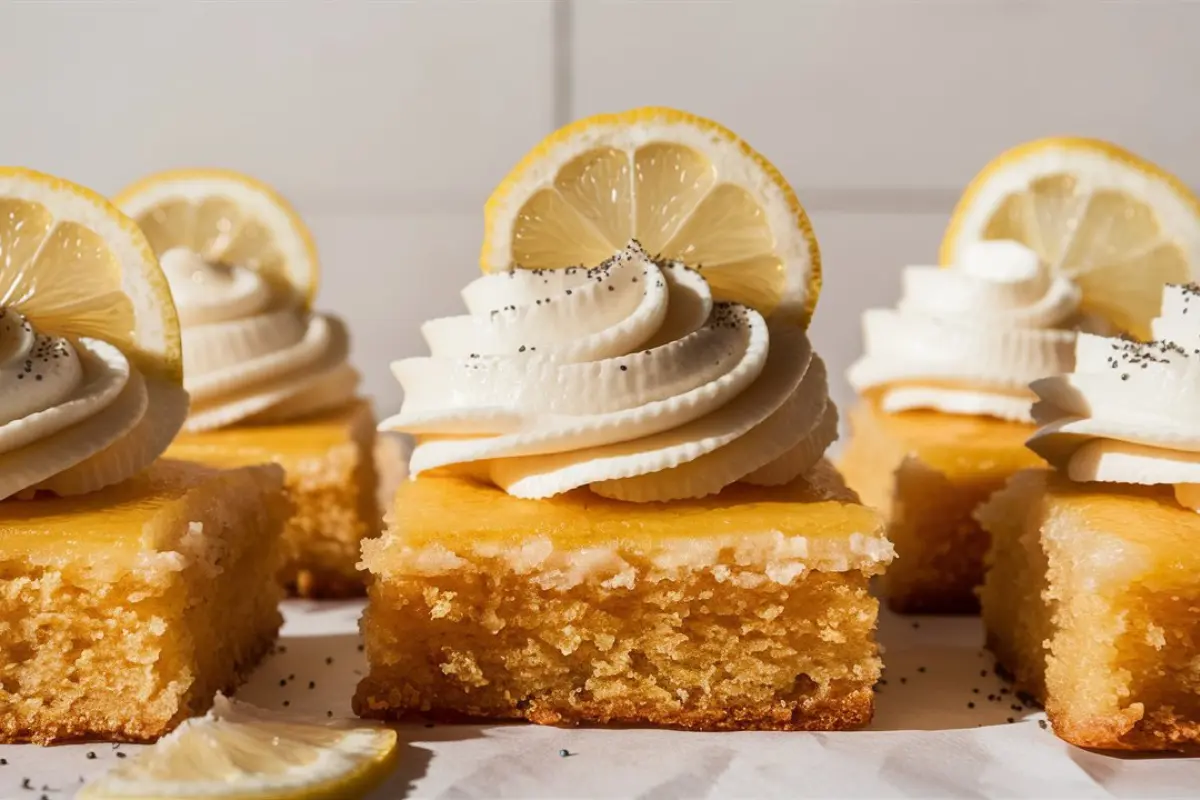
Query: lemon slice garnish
(685, 187)
(74, 266)
(228, 218)
(1118, 225)
(240, 752)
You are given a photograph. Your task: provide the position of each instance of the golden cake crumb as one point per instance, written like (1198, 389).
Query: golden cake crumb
(331, 480)
(926, 471)
(749, 610)
(1092, 602)
(124, 611)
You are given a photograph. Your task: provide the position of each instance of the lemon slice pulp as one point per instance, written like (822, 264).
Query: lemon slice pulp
(227, 218)
(75, 266)
(1118, 225)
(240, 752)
(684, 187)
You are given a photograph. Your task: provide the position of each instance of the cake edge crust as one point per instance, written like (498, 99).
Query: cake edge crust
(850, 711)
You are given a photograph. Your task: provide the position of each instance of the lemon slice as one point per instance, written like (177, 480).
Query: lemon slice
(1118, 225)
(685, 187)
(240, 752)
(227, 218)
(75, 266)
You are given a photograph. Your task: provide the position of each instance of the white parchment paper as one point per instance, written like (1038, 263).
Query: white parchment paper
(942, 729)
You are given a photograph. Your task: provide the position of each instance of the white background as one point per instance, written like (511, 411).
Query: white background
(388, 123)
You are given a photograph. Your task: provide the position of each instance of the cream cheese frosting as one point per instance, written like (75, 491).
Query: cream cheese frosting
(969, 339)
(250, 353)
(76, 415)
(1130, 412)
(627, 378)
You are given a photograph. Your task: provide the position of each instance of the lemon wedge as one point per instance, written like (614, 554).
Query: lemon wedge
(75, 266)
(240, 752)
(686, 188)
(227, 218)
(1118, 225)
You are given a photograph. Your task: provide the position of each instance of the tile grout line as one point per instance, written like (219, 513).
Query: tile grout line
(562, 54)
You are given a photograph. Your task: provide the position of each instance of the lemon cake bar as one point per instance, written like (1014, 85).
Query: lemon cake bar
(945, 409)
(1092, 602)
(331, 479)
(750, 609)
(124, 610)
(1113, 224)
(620, 510)
(1092, 597)
(269, 377)
(131, 588)
(927, 471)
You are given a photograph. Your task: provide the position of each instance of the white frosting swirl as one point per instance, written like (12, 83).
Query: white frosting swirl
(969, 339)
(250, 355)
(1130, 413)
(627, 378)
(74, 414)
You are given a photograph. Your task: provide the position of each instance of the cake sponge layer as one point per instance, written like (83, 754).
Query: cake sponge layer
(124, 642)
(927, 471)
(699, 626)
(331, 479)
(1092, 601)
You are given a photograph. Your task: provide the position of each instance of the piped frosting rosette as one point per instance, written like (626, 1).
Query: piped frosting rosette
(969, 339)
(1130, 412)
(243, 270)
(251, 353)
(626, 378)
(75, 413)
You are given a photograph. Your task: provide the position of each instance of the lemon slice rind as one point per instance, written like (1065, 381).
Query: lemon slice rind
(317, 760)
(156, 334)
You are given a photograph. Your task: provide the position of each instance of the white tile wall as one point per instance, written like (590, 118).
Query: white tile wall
(349, 105)
(389, 122)
(387, 272)
(860, 94)
(861, 254)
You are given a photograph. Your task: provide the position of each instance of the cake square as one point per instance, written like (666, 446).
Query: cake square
(331, 479)
(745, 610)
(926, 471)
(1092, 602)
(123, 611)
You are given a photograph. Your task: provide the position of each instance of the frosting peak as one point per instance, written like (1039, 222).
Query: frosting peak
(75, 413)
(249, 353)
(1130, 412)
(206, 293)
(626, 377)
(968, 339)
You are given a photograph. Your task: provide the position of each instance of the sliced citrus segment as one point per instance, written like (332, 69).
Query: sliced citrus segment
(240, 752)
(1117, 224)
(74, 265)
(684, 187)
(227, 218)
